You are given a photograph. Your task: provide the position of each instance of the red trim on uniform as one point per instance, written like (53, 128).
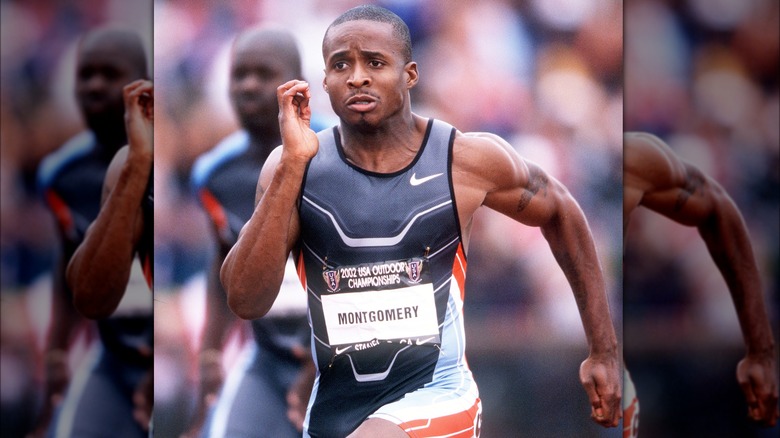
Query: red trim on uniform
(459, 270)
(214, 209)
(61, 211)
(458, 425)
(631, 420)
(301, 270)
(148, 272)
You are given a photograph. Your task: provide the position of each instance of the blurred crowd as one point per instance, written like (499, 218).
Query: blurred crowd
(547, 76)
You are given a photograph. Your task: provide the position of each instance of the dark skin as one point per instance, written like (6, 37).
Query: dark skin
(656, 178)
(100, 269)
(115, 234)
(108, 59)
(368, 82)
(261, 60)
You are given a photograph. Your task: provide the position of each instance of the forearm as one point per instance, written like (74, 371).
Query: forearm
(728, 242)
(254, 267)
(571, 242)
(100, 268)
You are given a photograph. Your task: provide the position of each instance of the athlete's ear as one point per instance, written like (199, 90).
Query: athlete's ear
(325, 84)
(411, 73)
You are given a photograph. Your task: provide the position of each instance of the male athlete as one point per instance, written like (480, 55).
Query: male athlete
(104, 271)
(254, 395)
(377, 212)
(656, 178)
(71, 180)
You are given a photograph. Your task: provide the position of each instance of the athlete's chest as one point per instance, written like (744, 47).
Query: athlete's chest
(352, 216)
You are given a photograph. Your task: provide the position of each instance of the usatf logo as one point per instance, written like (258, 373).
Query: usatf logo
(413, 270)
(332, 280)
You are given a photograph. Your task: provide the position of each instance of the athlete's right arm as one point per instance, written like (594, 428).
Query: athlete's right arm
(254, 268)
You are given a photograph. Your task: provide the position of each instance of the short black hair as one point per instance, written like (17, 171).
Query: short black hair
(382, 15)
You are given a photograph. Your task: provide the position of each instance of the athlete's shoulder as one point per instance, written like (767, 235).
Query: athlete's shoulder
(78, 147)
(227, 149)
(484, 149)
(647, 158)
(488, 161)
(644, 143)
(481, 139)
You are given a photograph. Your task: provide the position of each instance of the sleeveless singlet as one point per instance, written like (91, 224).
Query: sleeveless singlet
(381, 259)
(71, 183)
(224, 180)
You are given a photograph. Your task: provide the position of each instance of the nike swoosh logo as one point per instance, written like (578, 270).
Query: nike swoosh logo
(341, 350)
(425, 341)
(416, 182)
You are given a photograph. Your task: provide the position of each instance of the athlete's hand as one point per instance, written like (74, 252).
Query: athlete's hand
(756, 376)
(139, 116)
(211, 378)
(299, 393)
(57, 377)
(600, 376)
(298, 138)
(143, 399)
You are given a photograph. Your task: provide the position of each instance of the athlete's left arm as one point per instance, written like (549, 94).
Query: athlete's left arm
(682, 192)
(525, 192)
(100, 268)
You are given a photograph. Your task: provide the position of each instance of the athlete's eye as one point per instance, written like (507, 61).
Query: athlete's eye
(375, 63)
(339, 65)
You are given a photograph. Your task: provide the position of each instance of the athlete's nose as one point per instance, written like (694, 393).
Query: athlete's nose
(359, 77)
(94, 83)
(248, 82)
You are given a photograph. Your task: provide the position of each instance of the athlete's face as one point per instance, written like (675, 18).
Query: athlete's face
(366, 76)
(102, 72)
(258, 68)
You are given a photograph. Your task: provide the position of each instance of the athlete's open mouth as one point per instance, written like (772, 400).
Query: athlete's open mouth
(361, 103)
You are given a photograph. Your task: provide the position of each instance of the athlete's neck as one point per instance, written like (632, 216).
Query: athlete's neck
(386, 148)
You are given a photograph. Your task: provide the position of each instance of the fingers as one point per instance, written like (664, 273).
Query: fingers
(603, 394)
(296, 412)
(762, 402)
(139, 95)
(606, 411)
(141, 410)
(750, 397)
(293, 97)
(135, 89)
(759, 386)
(596, 407)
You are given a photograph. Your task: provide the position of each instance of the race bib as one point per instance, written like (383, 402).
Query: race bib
(380, 302)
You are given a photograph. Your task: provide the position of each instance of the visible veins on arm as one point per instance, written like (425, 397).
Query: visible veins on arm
(569, 265)
(538, 181)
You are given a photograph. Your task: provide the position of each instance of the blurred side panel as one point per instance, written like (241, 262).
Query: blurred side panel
(702, 76)
(38, 114)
